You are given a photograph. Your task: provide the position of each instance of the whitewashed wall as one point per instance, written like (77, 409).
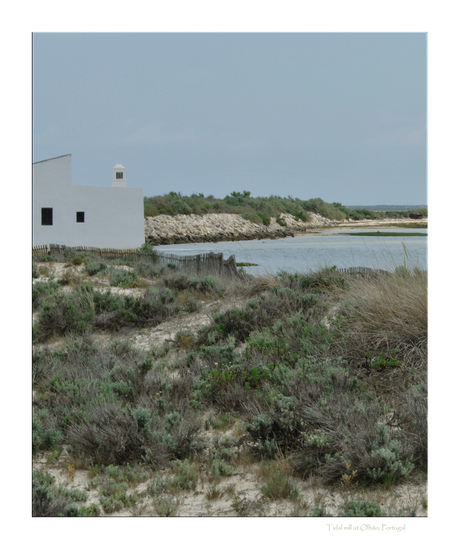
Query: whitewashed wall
(114, 216)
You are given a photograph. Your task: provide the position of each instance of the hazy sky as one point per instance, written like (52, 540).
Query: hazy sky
(336, 116)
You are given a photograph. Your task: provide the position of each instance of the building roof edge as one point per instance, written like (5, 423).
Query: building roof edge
(54, 158)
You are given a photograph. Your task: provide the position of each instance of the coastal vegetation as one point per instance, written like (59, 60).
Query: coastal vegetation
(260, 209)
(286, 378)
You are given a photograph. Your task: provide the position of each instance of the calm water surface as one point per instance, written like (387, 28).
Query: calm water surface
(317, 250)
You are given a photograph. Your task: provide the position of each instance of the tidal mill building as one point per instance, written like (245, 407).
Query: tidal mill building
(79, 215)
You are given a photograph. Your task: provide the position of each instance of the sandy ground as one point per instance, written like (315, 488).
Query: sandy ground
(240, 494)
(374, 224)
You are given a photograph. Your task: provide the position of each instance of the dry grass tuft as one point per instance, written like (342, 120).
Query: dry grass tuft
(389, 315)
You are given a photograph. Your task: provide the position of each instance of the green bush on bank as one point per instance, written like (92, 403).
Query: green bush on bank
(259, 209)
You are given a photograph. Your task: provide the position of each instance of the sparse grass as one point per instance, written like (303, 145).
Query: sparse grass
(245, 507)
(213, 493)
(276, 481)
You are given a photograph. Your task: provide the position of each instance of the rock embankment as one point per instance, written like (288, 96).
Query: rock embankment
(165, 229)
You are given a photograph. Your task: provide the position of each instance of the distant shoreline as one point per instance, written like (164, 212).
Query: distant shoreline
(385, 222)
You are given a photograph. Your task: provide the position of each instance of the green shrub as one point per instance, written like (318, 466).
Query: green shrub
(46, 502)
(77, 260)
(300, 216)
(363, 509)
(129, 474)
(210, 284)
(236, 322)
(180, 282)
(45, 435)
(151, 308)
(282, 428)
(91, 511)
(165, 507)
(148, 249)
(191, 305)
(146, 270)
(123, 278)
(253, 217)
(186, 477)
(113, 494)
(72, 495)
(107, 302)
(40, 290)
(220, 468)
(95, 266)
(72, 312)
(320, 511)
(142, 417)
(387, 464)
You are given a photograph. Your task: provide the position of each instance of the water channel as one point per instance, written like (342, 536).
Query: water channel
(325, 248)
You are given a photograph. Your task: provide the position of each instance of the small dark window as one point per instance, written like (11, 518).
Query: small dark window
(119, 175)
(47, 216)
(80, 217)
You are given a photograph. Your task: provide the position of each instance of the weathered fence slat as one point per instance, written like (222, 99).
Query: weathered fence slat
(201, 264)
(364, 271)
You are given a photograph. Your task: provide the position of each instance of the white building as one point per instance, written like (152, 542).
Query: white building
(78, 215)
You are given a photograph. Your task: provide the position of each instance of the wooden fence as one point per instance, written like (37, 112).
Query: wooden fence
(201, 264)
(363, 271)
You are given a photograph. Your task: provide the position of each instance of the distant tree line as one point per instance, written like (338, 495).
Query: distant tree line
(261, 209)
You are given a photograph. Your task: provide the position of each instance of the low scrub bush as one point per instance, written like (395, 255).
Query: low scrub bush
(363, 509)
(50, 501)
(112, 409)
(180, 282)
(95, 266)
(276, 306)
(186, 477)
(77, 260)
(40, 290)
(220, 468)
(45, 435)
(112, 435)
(146, 270)
(315, 414)
(122, 278)
(68, 313)
(83, 309)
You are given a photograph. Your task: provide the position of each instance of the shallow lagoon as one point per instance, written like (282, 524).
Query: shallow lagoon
(320, 249)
